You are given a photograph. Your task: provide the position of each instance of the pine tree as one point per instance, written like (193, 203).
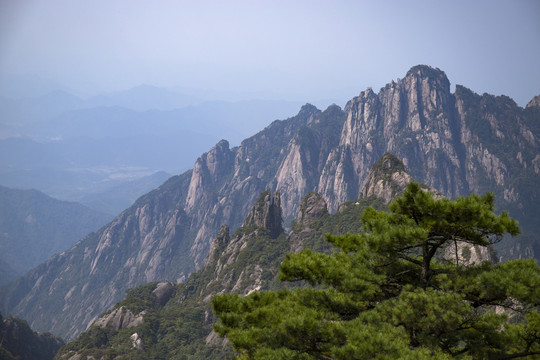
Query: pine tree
(389, 293)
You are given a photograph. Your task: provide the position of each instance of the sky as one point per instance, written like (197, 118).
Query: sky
(302, 50)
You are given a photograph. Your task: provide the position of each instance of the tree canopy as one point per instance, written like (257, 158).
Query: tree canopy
(389, 292)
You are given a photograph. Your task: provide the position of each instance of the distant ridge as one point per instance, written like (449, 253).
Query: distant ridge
(34, 227)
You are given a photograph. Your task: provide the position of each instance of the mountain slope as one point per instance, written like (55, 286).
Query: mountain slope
(244, 262)
(452, 142)
(34, 226)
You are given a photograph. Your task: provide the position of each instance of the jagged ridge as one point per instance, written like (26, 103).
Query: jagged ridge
(457, 143)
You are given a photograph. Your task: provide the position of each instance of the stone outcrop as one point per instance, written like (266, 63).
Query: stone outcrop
(387, 179)
(118, 319)
(266, 213)
(535, 102)
(462, 253)
(313, 207)
(225, 250)
(163, 292)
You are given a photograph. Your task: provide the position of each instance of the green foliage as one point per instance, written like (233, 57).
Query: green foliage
(344, 221)
(388, 293)
(178, 330)
(139, 298)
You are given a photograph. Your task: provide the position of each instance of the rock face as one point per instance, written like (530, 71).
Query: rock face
(231, 270)
(119, 319)
(535, 102)
(313, 207)
(466, 254)
(234, 264)
(387, 179)
(266, 214)
(455, 142)
(163, 292)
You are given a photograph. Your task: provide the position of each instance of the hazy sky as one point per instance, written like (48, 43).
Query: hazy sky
(302, 50)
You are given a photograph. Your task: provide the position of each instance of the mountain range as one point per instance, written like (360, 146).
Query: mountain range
(457, 143)
(245, 261)
(161, 320)
(67, 147)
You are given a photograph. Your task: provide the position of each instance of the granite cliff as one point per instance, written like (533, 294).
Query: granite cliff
(457, 142)
(244, 262)
(178, 319)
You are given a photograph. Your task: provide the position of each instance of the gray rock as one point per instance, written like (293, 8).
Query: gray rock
(121, 318)
(163, 292)
(535, 102)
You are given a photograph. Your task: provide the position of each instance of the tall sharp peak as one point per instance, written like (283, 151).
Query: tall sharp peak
(388, 164)
(386, 179)
(535, 102)
(266, 213)
(308, 110)
(313, 206)
(218, 244)
(222, 145)
(427, 71)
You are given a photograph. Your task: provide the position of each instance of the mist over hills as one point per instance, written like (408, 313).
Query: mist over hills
(119, 197)
(457, 142)
(69, 147)
(34, 226)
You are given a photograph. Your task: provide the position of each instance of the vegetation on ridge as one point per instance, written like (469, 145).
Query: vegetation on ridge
(19, 342)
(372, 295)
(385, 294)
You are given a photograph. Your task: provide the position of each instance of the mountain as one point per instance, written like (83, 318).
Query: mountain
(60, 145)
(458, 143)
(144, 324)
(34, 226)
(20, 342)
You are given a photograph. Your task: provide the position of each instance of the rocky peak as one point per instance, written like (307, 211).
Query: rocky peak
(207, 171)
(163, 292)
(312, 207)
(427, 72)
(218, 159)
(308, 109)
(427, 94)
(387, 178)
(234, 262)
(535, 102)
(218, 244)
(118, 319)
(266, 213)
